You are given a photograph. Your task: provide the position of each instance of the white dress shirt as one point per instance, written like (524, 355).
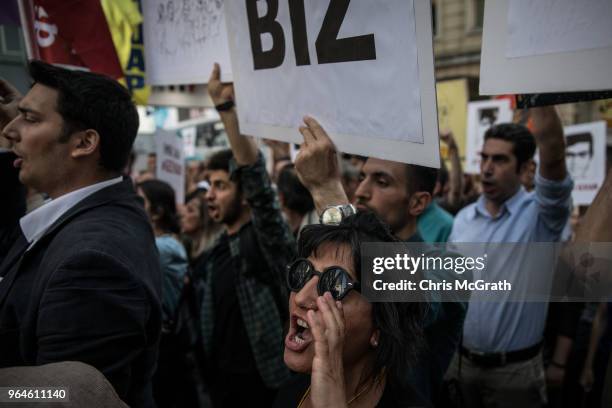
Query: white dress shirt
(36, 223)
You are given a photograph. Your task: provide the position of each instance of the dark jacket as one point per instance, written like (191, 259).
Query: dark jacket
(13, 201)
(88, 290)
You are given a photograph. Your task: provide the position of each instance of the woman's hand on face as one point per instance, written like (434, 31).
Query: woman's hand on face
(327, 388)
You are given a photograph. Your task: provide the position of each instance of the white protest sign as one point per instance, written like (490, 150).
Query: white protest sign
(557, 26)
(171, 161)
(544, 46)
(585, 155)
(183, 39)
(363, 69)
(189, 135)
(481, 116)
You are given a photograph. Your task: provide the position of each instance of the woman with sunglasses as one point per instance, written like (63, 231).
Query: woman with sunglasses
(346, 350)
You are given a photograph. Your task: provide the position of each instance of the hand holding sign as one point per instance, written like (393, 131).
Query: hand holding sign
(317, 166)
(219, 92)
(243, 147)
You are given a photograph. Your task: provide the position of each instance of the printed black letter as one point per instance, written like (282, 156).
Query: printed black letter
(266, 24)
(330, 49)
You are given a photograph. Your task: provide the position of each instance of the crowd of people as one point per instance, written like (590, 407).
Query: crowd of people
(249, 293)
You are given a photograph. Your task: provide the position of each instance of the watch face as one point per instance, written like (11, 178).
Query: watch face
(332, 216)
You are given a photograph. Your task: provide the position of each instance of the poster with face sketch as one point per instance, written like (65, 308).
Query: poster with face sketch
(182, 39)
(585, 154)
(481, 116)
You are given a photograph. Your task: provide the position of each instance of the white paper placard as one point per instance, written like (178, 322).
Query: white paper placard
(183, 39)
(544, 62)
(366, 74)
(481, 116)
(557, 26)
(585, 155)
(189, 135)
(171, 161)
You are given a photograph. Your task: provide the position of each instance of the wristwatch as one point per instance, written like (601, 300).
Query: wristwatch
(334, 214)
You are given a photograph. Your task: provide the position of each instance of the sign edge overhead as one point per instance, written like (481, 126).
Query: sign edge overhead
(546, 73)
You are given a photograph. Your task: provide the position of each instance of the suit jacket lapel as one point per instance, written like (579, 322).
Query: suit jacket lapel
(101, 197)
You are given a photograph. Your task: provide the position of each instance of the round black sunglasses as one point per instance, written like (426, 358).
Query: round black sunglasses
(333, 279)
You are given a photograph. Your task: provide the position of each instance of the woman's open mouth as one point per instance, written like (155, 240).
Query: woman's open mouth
(299, 336)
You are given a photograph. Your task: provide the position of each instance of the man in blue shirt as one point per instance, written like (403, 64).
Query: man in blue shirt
(500, 361)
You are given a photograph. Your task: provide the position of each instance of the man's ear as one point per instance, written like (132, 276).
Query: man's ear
(85, 143)
(528, 166)
(419, 201)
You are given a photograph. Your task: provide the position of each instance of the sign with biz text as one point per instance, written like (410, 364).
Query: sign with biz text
(363, 69)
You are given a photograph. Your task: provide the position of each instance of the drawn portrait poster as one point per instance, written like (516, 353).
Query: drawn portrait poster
(481, 116)
(183, 38)
(585, 155)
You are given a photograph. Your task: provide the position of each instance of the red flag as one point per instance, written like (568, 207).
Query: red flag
(72, 32)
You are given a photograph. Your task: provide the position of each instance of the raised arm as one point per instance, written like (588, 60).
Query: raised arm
(318, 168)
(596, 225)
(548, 133)
(275, 238)
(243, 147)
(456, 173)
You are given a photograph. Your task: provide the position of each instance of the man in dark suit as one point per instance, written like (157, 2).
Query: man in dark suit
(82, 281)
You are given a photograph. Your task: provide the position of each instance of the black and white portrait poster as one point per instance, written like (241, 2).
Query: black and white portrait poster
(585, 152)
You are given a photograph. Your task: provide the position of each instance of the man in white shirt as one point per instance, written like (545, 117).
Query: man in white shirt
(82, 281)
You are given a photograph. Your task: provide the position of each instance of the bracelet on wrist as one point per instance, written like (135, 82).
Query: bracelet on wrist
(225, 106)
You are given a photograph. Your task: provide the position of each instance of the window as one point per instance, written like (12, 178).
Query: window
(10, 40)
(436, 12)
(479, 14)
(474, 14)
(434, 18)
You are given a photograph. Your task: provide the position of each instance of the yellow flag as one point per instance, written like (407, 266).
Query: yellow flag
(125, 23)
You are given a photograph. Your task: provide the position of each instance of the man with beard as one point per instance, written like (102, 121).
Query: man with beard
(397, 193)
(244, 299)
